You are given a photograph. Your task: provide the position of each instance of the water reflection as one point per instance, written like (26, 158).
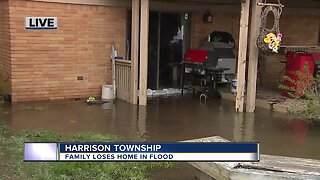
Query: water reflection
(141, 123)
(299, 130)
(170, 119)
(244, 127)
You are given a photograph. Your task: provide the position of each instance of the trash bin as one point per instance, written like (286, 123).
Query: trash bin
(233, 85)
(107, 93)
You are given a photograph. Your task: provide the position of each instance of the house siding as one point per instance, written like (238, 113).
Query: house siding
(46, 63)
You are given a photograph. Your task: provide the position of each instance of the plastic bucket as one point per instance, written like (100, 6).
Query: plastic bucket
(233, 85)
(107, 93)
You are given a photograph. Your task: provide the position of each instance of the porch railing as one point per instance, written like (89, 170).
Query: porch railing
(123, 79)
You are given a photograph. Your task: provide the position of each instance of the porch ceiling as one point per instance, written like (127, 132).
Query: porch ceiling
(287, 3)
(201, 2)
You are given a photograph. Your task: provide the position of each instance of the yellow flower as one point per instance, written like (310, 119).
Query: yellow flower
(267, 40)
(276, 43)
(271, 35)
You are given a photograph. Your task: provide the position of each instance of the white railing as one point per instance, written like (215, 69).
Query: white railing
(123, 79)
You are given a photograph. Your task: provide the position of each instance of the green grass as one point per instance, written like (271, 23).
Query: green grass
(67, 170)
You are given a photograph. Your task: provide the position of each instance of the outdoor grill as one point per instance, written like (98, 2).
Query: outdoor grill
(209, 56)
(216, 52)
(209, 64)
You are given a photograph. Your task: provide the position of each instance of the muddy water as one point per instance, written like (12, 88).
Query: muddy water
(171, 119)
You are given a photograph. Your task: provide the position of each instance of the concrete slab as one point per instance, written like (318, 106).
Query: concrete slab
(267, 99)
(269, 167)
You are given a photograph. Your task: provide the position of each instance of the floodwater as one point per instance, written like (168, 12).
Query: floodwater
(170, 119)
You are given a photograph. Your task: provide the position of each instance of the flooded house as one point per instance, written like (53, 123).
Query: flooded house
(70, 49)
(73, 59)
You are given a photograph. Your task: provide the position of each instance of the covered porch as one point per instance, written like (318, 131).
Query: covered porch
(132, 75)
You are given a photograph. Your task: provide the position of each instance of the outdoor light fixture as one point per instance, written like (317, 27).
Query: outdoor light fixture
(207, 17)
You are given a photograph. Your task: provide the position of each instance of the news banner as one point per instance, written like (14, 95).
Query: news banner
(141, 152)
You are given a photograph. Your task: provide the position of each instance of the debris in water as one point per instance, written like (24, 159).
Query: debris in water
(26, 107)
(39, 108)
(91, 99)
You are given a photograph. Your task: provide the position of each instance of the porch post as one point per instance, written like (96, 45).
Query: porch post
(144, 28)
(134, 51)
(253, 56)
(242, 52)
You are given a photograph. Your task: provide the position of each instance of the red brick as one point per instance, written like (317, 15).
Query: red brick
(46, 63)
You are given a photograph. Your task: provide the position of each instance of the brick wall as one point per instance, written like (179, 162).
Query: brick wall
(5, 68)
(46, 63)
(222, 21)
(298, 30)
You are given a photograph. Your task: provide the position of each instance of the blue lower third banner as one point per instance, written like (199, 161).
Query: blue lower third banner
(141, 152)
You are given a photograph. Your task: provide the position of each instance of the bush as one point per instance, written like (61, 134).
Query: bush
(307, 88)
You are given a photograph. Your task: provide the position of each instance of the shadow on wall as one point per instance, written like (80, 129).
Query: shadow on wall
(5, 85)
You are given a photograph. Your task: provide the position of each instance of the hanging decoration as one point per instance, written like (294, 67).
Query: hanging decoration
(273, 41)
(269, 40)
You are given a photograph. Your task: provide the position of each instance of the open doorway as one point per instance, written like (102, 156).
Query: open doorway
(169, 37)
(170, 48)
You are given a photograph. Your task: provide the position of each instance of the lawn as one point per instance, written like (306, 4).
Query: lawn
(13, 167)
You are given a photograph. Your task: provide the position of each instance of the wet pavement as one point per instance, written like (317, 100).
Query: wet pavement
(171, 119)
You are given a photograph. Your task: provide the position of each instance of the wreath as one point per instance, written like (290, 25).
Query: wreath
(269, 40)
